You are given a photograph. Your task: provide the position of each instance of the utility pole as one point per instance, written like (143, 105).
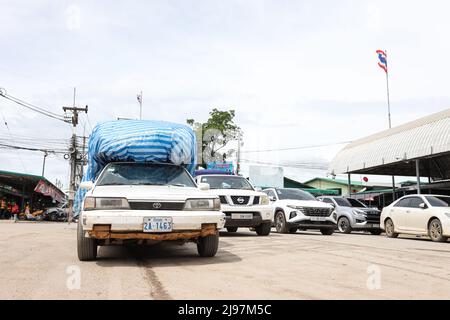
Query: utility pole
(238, 160)
(73, 156)
(43, 163)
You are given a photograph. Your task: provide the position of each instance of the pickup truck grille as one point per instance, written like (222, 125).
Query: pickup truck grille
(256, 200)
(155, 205)
(240, 200)
(316, 212)
(373, 217)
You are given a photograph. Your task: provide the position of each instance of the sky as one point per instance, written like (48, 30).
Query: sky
(298, 73)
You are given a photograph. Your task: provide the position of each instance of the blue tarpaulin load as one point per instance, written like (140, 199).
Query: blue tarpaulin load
(138, 141)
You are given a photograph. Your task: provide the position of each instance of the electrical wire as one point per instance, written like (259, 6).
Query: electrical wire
(305, 165)
(9, 131)
(296, 148)
(30, 106)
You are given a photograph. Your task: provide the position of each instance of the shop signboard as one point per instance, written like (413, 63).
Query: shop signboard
(49, 190)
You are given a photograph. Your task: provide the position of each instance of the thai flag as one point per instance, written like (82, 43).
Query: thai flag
(383, 61)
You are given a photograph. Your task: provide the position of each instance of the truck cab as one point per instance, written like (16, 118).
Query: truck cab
(243, 206)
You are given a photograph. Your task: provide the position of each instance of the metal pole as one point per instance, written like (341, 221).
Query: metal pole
(238, 160)
(349, 186)
(418, 175)
(393, 188)
(43, 163)
(140, 107)
(388, 100)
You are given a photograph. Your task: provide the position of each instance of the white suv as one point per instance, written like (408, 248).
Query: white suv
(299, 210)
(146, 203)
(242, 205)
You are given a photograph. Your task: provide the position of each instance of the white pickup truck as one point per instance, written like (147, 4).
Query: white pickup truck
(242, 204)
(144, 203)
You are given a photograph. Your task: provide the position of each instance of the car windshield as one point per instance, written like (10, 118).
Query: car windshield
(355, 203)
(227, 182)
(145, 174)
(294, 194)
(342, 202)
(438, 201)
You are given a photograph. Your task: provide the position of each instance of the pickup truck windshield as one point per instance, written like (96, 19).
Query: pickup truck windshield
(227, 182)
(145, 174)
(293, 194)
(355, 203)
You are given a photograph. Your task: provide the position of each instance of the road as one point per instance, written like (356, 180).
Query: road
(39, 261)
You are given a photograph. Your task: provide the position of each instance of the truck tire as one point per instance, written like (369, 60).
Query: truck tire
(264, 229)
(208, 246)
(327, 231)
(86, 247)
(232, 229)
(344, 225)
(280, 222)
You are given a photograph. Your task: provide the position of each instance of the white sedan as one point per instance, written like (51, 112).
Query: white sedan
(418, 215)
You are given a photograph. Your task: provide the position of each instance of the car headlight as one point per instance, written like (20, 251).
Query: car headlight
(202, 204)
(294, 207)
(358, 212)
(447, 214)
(93, 203)
(264, 200)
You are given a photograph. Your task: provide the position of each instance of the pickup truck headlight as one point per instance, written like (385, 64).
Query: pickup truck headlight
(447, 214)
(92, 203)
(358, 213)
(202, 204)
(264, 200)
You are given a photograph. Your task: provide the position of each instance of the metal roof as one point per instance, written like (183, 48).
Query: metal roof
(388, 152)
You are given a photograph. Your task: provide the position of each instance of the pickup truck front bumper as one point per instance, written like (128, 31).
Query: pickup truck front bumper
(234, 215)
(129, 224)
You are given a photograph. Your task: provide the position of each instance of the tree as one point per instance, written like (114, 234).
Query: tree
(216, 133)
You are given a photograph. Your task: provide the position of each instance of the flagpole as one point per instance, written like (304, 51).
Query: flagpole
(388, 100)
(390, 123)
(140, 107)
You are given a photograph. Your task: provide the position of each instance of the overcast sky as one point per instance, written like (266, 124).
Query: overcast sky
(298, 73)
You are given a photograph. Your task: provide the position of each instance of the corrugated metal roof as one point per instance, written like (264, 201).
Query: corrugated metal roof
(420, 138)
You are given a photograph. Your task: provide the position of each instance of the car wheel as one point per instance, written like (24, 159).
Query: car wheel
(232, 229)
(263, 229)
(86, 247)
(344, 225)
(435, 231)
(293, 230)
(327, 231)
(389, 228)
(280, 222)
(208, 246)
(375, 232)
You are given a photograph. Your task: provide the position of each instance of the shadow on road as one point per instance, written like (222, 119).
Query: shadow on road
(162, 254)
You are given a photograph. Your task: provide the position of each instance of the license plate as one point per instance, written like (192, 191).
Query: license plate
(318, 218)
(247, 216)
(375, 225)
(157, 224)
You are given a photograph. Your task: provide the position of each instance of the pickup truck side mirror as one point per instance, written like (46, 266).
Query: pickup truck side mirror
(259, 189)
(86, 185)
(423, 206)
(204, 186)
(272, 198)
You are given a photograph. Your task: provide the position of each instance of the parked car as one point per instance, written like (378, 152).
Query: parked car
(243, 206)
(134, 202)
(57, 213)
(298, 210)
(354, 215)
(418, 215)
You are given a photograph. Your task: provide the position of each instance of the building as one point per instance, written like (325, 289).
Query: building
(419, 149)
(291, 183)
(340, 186)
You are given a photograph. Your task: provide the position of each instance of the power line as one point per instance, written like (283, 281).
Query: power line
(30, 106)
(304, 165)
(9, 131)
(296, 148)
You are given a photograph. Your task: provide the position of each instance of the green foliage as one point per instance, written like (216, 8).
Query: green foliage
(217, 132)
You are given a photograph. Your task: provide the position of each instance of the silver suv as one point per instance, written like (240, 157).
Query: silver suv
(354, 215)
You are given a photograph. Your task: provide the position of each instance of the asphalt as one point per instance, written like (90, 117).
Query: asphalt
(39, 261)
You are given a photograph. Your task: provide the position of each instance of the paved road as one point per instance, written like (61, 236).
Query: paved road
(38, 261)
